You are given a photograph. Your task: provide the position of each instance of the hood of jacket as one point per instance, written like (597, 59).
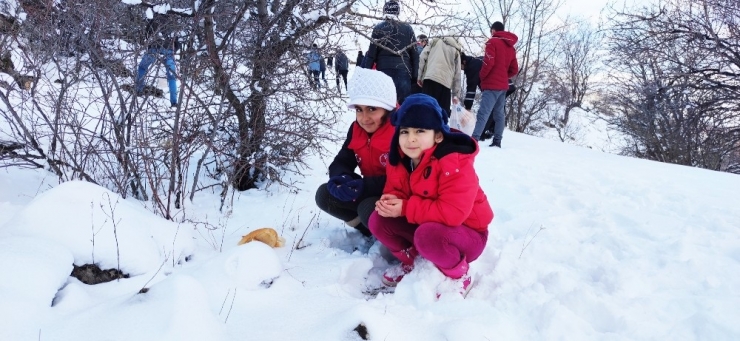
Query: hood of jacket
(508, 38)
(452, 42)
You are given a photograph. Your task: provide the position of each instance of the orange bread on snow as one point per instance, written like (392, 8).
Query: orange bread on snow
(266, 235)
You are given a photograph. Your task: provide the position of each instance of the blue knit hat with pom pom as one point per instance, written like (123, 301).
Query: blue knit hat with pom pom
(419, 111)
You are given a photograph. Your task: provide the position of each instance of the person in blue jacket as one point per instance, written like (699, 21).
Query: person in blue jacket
(314, 65)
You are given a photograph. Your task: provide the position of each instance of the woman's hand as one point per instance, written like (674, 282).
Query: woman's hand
(389, 207)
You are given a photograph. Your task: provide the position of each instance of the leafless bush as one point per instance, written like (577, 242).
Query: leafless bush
(245, 117)
(674, 91)
(556, 62)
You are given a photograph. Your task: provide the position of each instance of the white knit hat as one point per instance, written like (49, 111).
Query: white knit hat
(373, 88)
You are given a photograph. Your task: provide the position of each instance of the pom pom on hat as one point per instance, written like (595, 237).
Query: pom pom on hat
(392, 8)
(373, 88)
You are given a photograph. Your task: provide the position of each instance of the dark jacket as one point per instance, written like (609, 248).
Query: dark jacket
(499, 62)
(341, 62)
(360, 59)
(396, 36)
(472, 77)
(161, 32)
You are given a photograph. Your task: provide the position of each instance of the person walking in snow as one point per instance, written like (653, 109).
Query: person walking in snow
(432, 205)
(341, 68)
(499, 65)
(314, 65)
(323, 70)
(350, 196)
(471, 67)
(392, 50)
(439, 70)
(160, 33)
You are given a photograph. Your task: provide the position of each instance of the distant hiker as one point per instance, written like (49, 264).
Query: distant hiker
(393, 50)
(360, 59)
(471, 67)
(439, 70)
(341, 67)
(314, 65)
(499, 65)
(421, 42)
(330, 61)
(323, 69)
(162, 40)
(432, 205)
(350, 196)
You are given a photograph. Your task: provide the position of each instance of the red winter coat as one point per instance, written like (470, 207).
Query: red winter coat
(499, 62)
(370, 153)
(443, 188)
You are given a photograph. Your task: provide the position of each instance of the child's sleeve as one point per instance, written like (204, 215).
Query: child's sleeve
(458, 187)
(395, 183)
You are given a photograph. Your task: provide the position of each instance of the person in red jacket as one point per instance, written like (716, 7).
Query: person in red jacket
(432, 205)
(499, 64)
(350, 196)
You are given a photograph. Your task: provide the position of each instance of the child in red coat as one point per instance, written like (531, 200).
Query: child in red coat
(348, 195)
(432, 204)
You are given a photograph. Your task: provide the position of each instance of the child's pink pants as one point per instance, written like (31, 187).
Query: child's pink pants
(442, 245)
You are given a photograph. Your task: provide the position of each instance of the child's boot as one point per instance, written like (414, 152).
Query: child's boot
(459, 273)
(394, 274)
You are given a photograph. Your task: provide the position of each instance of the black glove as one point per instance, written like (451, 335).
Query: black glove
(344, 188)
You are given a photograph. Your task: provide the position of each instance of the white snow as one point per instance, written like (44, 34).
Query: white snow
(584, 246)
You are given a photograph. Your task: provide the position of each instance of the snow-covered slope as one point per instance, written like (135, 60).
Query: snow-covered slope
(584, 246)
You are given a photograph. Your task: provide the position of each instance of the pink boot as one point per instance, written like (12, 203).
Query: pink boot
(459, 273)
(394, 274)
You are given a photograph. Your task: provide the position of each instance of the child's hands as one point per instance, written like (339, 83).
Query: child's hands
(390, 207)
(388, 196)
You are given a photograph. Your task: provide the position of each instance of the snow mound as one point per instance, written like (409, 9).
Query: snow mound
(99, 227)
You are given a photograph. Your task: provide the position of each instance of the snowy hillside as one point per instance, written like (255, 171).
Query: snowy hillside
(584, 246)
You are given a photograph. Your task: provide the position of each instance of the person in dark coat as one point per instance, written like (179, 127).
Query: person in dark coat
(162, 39)
(393, 50)
(341, 67)
(347, 195)
(322, 68)
(360, 59)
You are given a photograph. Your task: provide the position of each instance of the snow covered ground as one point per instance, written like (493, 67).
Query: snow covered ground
(584, 246)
